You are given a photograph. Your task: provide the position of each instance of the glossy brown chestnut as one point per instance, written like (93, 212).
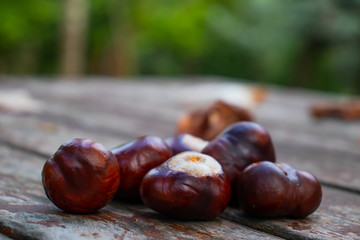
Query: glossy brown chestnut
(210, 121)
(185, 142)
(190, 186)
(135, 159)
(267, 189)
(238, 146)
(81, 177)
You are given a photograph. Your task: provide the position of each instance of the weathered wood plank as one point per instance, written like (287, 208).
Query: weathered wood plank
(147, 100)
(113, 112)
(121, 98)
(116, 109)
(291, 121)
(285, 112)
(330, 167)
(45, 136)
(338, 217)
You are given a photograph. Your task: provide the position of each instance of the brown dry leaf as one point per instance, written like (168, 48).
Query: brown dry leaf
(209, 122)
(347, 110)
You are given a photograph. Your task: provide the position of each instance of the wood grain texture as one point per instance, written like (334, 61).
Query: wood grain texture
(337, 218)
(126, 110)
(113, 112)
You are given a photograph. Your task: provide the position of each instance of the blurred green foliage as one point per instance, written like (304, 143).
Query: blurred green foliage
(308, 43)
(29, 36)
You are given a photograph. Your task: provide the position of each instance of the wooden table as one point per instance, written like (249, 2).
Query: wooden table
(115, 111)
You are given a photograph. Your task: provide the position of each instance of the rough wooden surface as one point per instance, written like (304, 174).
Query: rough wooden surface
(113, 112)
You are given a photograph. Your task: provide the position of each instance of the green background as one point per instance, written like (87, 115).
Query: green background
(308, 43)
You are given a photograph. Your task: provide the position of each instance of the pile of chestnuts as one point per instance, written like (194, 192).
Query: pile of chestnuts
(184, 177)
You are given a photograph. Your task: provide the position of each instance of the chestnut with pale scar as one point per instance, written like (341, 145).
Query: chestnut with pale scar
(189, 186)
(199, 165)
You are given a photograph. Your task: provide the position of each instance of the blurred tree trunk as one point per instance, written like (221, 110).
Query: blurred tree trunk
(74, 31)
(122, 38)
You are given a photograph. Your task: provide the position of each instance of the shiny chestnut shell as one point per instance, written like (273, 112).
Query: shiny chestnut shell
(135, 159)
(81, 177)
(238, 146)
(183, 195)
(185, 142)
(266, 189)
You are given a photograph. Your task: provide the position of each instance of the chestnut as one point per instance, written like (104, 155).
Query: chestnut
(267, 189)
(135, 159)
(238, 146)
(82, 176)
(185, 142)
(208, 122)
(189, 186)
